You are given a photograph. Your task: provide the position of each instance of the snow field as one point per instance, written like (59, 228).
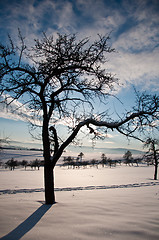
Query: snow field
(128, 209)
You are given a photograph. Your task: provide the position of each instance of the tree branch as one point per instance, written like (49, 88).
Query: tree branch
(54, 139)
(109, 125)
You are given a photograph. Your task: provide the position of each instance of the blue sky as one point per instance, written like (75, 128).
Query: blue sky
(134, 28)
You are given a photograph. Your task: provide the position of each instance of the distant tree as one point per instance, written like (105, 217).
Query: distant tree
(11, 164)
(81, 156)
(35, 164)
(104, 159)
(62, 78)
(136, 160)
(153, 153)
(110, 162)
(128, 157)
(94, 163)
(83, 163)
(24, 163)
(68, 161)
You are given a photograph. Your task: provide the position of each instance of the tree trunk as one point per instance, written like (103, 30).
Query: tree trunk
(49, 184)
(155, 175)
(48, 167)
(156, 165)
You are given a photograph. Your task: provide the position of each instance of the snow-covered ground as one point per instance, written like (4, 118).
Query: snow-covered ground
(106, 203)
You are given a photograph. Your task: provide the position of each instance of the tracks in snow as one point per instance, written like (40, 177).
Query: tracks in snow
(68, 189)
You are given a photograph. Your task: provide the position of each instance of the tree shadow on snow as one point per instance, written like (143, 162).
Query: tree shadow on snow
(28, 224)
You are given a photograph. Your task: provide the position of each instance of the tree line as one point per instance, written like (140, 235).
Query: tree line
(12, 164)
(72, 162)
(151, 157)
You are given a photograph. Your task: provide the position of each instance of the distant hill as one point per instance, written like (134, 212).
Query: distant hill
(16, 145)
(106, 150)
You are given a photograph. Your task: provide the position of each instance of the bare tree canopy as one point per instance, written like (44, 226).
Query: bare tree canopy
(62, 78)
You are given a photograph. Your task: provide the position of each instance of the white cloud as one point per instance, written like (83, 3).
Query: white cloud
(137, 59)
(15, 110)
(140, 68)
(141, 37)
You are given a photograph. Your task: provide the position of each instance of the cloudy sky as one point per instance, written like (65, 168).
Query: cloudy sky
(134, 29)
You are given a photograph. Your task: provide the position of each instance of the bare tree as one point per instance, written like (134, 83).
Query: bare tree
(104, 159)
(59, 79)
(152, 153)
(128, 157)
(81, 156)
(12, 164)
